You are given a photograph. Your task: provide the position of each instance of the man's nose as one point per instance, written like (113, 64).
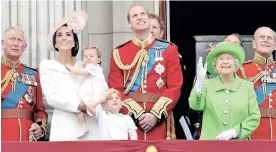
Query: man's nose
(139, 17)
(15, 42)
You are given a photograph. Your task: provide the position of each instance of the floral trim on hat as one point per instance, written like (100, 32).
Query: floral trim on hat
(76, 25)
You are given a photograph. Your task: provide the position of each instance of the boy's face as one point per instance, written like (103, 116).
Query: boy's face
(113, 103)
(90, 56)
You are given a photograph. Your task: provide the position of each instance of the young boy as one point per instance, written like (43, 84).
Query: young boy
(113, 125)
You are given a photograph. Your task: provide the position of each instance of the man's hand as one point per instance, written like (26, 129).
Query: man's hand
(37, 130)
(147, 121)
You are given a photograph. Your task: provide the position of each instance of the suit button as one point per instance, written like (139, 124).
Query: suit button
(227, 91)
(224, 123)
(225, 112)
(226, 101)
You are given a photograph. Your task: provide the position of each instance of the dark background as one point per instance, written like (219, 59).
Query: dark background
(188, 19)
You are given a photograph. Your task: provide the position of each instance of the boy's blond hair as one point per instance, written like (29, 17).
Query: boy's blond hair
(114, 91)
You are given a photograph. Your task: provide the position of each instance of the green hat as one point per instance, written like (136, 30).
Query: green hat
(234, 49)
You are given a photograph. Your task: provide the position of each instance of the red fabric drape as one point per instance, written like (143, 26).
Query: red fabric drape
(163, 16)
(141, 146)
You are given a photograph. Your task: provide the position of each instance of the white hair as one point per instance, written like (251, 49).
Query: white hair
(16, 28)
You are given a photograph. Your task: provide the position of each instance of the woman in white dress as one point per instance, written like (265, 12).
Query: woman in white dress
(59, 86)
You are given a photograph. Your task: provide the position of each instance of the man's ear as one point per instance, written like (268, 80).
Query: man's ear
(254, 44)
(161, 33)
(25, 46)
(129, 25)
(2, 43)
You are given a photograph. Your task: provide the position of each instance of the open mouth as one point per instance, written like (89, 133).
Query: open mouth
(225, 67)
(265, 45)
(64, 43)
(15, 50)
(141, 23)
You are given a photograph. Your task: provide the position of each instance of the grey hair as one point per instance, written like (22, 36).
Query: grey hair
(16, 28)
(237, 63)
(273, 32)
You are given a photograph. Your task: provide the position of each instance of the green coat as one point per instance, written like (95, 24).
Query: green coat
(226, 108)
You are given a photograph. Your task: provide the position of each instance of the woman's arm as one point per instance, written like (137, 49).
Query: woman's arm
(67, 102)
(77, 71)
(197, 99)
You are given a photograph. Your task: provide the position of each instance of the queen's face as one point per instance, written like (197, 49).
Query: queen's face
(64, 39)
(225, 64)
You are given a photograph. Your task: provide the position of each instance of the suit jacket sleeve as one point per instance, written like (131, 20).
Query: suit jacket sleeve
(170, 96)
(64, 102)
(116, 81)
(39, 109)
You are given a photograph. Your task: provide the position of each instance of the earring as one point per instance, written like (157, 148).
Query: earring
(73, 45)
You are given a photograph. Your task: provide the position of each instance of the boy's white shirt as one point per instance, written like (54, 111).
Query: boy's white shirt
(113, 126)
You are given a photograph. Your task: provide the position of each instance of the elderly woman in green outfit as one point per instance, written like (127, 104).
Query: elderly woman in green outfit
(229, 105)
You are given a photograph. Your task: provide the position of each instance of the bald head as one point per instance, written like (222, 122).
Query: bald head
(264, 29)
(264, 41)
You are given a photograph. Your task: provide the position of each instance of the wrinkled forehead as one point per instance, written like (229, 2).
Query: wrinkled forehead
(136, 9)
(264, 32)
(16, 33)
(232, 38)
(154, 20)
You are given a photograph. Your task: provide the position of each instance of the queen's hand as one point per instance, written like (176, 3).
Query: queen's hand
(200, 73)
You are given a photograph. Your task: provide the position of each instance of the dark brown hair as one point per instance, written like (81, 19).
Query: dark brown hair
(75, 49)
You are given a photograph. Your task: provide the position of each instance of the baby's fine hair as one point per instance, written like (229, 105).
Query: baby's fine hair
(95, 48)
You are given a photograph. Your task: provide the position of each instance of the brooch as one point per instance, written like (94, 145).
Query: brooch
(159, 69)
(159, 83)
